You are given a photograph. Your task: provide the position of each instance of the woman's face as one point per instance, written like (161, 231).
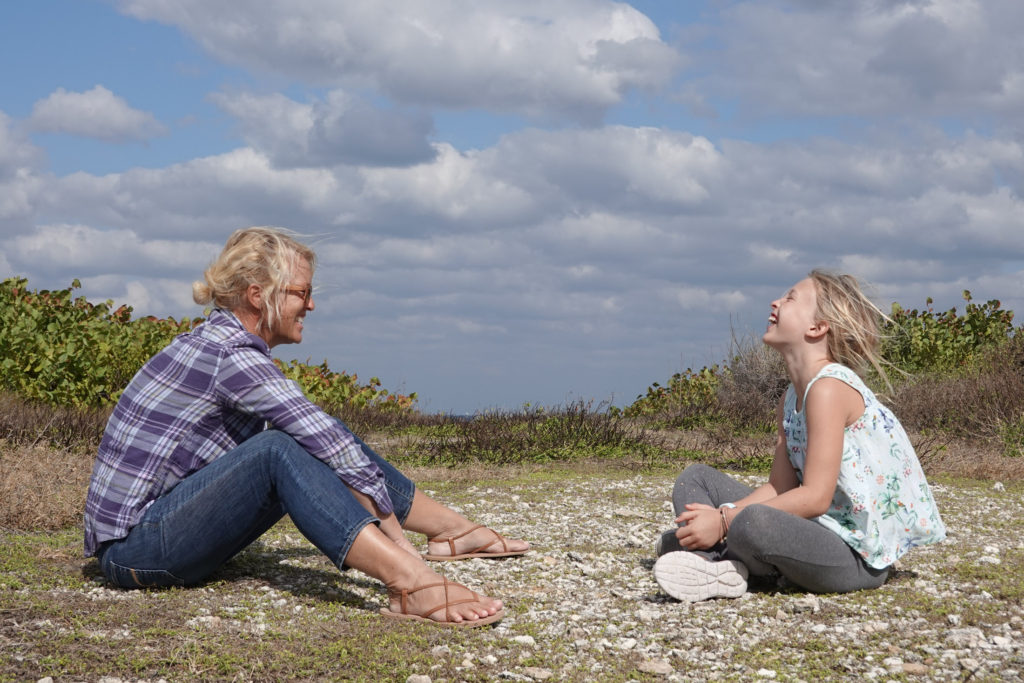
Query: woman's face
(294, 306)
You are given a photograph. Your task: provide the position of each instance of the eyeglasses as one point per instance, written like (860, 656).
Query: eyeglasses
(305, 292)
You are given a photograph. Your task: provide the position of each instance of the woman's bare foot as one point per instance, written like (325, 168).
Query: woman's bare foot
(431, 597)
(473, 541)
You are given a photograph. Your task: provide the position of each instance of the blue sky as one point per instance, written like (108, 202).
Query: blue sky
(518, 202)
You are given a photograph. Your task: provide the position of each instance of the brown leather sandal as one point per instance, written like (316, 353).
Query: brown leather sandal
(479, 551)
(404, 594)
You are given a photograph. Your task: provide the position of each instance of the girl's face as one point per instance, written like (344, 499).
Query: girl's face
(294, 306)
(793, 314)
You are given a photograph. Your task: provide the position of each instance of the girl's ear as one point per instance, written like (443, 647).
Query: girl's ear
(818, 330)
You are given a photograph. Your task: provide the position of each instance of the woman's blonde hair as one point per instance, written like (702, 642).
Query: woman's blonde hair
(854, 335)
(263, 256)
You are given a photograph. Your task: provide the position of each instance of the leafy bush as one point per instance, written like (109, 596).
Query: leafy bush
(535, 435)
(930, 349)
(337, 391)
(67, 352)
(689, 399)
(983, 402)
(925, 341)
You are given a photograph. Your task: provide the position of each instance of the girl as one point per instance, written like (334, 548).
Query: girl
(846, 496)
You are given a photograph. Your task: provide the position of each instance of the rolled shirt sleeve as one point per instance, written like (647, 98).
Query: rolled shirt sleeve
(250, 382)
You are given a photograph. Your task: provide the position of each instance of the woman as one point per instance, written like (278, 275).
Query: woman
(188, 474)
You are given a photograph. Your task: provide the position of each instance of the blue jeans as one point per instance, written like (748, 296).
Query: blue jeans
(214, 513)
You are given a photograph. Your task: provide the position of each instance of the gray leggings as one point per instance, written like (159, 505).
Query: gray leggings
(771, 542)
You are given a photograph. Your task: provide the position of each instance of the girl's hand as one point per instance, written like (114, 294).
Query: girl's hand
(703, 527)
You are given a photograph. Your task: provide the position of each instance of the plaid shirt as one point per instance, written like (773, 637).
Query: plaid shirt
(204, 394)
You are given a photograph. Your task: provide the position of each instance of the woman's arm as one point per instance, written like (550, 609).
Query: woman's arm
(389, 524)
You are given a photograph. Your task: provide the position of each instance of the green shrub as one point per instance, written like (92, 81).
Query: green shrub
(689, 398)
(925, 341)
(336, 391)
(67, 352)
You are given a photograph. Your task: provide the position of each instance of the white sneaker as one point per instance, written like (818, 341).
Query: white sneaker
(690, 577)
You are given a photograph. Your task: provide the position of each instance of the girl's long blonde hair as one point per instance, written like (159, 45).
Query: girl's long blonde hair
(264, 256)
(854, 321)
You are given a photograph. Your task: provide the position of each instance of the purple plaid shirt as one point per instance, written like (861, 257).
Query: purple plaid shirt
(204, 394)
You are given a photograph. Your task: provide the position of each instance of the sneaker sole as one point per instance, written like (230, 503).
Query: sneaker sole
(689, 577)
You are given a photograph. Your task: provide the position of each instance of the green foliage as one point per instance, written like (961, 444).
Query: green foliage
(925, 341)
(537, 434)
(690, 395)
(336, 391)
(915, 342)
(65, 351)
(1011, 436)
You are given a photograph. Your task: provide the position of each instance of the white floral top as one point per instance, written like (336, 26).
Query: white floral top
(882, 506)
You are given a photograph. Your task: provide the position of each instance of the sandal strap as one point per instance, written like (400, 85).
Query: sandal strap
(451, 541)
(404, 593)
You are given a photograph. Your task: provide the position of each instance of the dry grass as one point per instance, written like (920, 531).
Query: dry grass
(750, 391)
(980, 404)
(42, 487)
(31, 422)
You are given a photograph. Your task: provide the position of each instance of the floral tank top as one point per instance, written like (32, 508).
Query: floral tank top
(882, 506)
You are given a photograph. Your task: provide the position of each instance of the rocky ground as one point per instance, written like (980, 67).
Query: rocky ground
(584, 605)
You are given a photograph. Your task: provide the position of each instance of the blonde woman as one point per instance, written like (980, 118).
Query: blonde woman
(846, 496)
(210, 445)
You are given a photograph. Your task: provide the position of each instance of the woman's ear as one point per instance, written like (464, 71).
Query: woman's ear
(254, 296)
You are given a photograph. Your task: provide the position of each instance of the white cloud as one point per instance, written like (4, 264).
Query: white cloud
(17, 153)
(83, 250)
(574, 58)
(936, 58)
(207, 196)
(341, 129)
(699, 298)
(96, 113)
(19, 176)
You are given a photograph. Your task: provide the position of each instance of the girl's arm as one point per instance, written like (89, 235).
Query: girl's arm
(703, 523)
(832, 405)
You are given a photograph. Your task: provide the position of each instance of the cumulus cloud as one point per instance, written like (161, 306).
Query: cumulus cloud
(206, 196)
(17, 153)
(19, 176)
(341, 129)
(942, 57)
(87, 251)
(573, 58)
(96, 113)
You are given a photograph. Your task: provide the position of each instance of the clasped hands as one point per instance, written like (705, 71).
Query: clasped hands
(702, 527)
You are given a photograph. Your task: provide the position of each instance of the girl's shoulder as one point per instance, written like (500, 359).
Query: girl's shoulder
(843, 374)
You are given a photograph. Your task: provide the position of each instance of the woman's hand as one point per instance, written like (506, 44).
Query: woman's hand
(390, 527)
(703, 527)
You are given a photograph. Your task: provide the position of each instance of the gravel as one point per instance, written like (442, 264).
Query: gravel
(589, 600)
(583, 605)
